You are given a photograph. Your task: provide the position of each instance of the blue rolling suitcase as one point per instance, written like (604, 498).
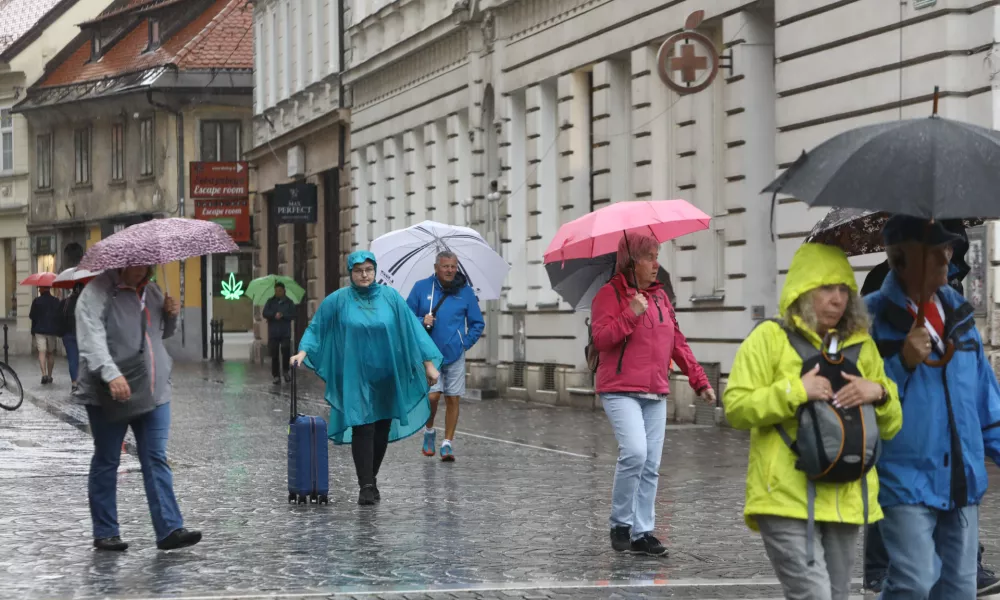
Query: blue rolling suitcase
(308, 459)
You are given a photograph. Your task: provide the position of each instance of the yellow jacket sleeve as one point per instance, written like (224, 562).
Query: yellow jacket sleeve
(890, 413)
(759, 394)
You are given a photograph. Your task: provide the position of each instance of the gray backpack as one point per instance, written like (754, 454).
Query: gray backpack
(833, 445)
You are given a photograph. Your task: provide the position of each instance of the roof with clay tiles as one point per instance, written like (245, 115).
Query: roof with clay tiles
(218, 38)
(19, 17)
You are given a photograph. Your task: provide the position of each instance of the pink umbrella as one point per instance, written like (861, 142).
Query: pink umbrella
(43, 279)
(158, 242)
(598, 233)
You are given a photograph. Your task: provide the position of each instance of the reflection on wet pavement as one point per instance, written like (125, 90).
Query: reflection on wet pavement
(505, 515)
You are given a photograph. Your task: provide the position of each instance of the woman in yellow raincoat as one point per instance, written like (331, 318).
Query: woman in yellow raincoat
(766, 388)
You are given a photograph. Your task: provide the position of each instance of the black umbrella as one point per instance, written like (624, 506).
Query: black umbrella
(857, 231)
(578, 280)
(932, 168)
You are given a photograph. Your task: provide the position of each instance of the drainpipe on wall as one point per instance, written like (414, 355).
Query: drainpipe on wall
(342, 131)
(181, 181)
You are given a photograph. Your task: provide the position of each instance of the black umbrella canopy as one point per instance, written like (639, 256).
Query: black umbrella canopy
(932, 168)
(578, 280)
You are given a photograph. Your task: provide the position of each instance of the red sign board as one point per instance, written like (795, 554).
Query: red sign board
(219, 179)
(232, 213)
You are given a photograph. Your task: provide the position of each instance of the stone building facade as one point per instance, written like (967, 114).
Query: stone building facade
(560, 103)
(300, 136)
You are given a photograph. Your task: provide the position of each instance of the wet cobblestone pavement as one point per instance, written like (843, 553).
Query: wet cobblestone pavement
(522, 513)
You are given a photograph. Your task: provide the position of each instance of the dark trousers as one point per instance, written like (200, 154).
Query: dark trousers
(282, 347)
(368, 445)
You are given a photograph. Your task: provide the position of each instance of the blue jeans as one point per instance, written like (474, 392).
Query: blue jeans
(72, 355)
(151, 430)
(932, 553)
(640, 426)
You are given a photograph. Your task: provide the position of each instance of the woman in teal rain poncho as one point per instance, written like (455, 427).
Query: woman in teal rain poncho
(378, 363)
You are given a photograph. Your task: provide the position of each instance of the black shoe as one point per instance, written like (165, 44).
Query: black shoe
(276, 381)
(111, 544)
(987, 582)
(621, 538)
(648, 544)
(873, 583)
(181, 538)
(366, 497)
(378, 495)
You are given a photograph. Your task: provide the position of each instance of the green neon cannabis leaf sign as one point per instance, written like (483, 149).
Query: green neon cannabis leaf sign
(232, 289)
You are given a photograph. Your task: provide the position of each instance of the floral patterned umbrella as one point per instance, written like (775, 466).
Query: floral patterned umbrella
(158, 242)
(856, 231)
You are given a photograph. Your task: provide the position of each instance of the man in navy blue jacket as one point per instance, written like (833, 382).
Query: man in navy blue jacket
(932, 475)
(45, 328)
(449, 309)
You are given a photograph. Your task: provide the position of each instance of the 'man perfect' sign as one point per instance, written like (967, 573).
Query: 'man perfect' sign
(294, 203)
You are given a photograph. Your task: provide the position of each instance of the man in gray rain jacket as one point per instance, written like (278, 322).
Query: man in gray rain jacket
(109, 318)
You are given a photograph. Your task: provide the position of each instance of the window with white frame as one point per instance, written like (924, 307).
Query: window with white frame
(43, 154)
(6, 140)
(146, 147)
(118, 152)
(220, 141)
(81, 154)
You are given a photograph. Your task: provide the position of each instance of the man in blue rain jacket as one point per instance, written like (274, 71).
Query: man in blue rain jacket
(932, 474)
(449, 309)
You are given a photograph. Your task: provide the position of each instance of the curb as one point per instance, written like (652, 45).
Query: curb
(62, 412)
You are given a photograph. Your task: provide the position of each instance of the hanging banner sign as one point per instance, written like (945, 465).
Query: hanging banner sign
(294, 203)
(232, 213)
(219, 179)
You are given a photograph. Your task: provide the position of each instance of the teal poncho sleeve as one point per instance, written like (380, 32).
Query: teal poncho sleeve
(369, 348)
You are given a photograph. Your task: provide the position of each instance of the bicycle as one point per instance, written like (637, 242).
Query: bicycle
(11, 392)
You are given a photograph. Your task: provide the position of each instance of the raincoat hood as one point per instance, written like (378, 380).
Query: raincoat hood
(813, 266)
(356, 258)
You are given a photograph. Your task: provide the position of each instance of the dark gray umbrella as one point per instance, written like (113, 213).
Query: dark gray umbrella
(932, 168)
(578, 280)
(857, 231)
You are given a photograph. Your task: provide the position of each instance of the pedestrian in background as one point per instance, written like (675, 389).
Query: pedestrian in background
(279, 310)
(448, 308)
(377, 362)
(933, 474)
(120, 315)
(67, 313)
(767, 387)
(44, 315)
(636, 334)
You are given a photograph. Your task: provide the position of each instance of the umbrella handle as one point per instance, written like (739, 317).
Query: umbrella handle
(163, 277)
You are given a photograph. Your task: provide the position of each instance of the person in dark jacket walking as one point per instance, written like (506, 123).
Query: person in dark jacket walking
(279, 312)
(68, 313)
(45, 327)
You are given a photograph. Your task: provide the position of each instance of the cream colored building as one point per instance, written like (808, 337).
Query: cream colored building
(560, 102)
(31, 33)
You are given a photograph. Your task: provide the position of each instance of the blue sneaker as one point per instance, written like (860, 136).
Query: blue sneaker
(430, 442)
(446, 453)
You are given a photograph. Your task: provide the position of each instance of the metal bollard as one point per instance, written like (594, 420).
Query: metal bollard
(220, 340)
(213, 326)
(5, 346)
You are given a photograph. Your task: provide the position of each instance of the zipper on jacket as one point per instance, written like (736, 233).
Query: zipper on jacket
(656, 301)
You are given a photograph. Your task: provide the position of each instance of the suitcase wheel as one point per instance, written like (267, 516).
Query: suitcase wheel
(324, 500)
(302, 498)
(314, 499)
(291, 497)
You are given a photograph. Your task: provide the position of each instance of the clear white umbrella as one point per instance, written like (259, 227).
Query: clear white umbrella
(73, 275)
(406, 256)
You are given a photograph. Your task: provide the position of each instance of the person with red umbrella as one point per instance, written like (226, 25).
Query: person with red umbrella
(45, 329)
(636, 335)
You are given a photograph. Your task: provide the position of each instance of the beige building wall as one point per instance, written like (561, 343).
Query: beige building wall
(22, 71)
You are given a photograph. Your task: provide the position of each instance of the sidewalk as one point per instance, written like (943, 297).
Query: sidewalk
(522, 513)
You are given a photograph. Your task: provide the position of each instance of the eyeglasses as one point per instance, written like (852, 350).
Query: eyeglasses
(369, 271)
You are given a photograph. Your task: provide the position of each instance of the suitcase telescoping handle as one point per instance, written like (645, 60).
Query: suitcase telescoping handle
(295, 393)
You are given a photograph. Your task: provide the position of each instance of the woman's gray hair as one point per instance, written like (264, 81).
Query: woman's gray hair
(632, 247)
(855, 319)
